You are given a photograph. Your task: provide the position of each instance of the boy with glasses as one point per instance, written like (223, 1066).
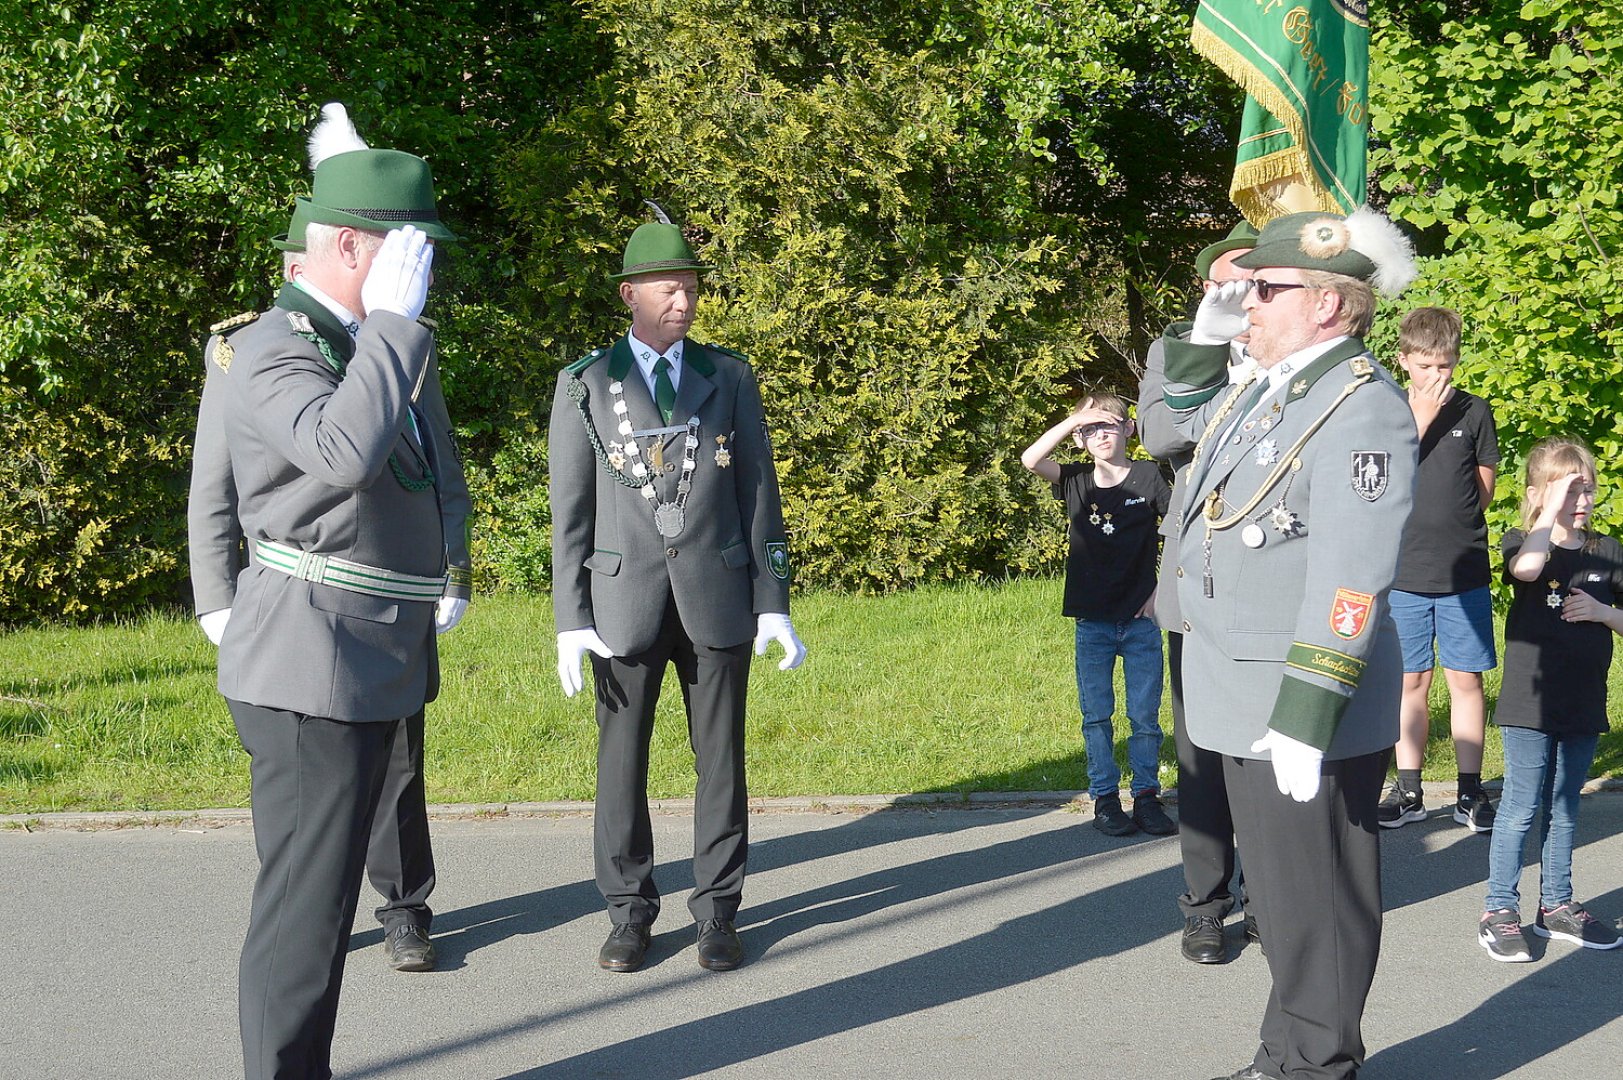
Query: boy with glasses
(1114, 506)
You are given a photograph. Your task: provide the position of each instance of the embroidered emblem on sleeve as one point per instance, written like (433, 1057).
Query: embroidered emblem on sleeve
(1332, 665)
(1370, 471)
(777, 559)
(1349, 613)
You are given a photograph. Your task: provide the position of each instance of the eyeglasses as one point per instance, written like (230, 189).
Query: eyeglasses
(1267, 290)
(1091, 430)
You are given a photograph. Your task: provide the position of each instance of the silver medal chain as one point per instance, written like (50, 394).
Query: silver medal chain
(669, 517)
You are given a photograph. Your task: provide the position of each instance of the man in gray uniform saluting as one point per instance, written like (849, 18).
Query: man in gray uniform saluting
(1293, 511)
(668, 547)
(328, 654)
(400, 857)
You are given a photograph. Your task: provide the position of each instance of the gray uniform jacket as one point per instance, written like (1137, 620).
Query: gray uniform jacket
(214, 535)
(1295, 634)
(1158, 431)
(322, 461)
(611, 567)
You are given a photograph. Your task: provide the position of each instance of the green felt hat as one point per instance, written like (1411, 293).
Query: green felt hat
(656, 248)
(293, 239)
(376, 190)
(1311, 240)
(1243, 235)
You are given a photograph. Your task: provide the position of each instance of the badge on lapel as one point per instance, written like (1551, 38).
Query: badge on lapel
(1370, 472)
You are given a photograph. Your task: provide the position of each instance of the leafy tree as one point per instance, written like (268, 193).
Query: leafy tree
(891, 199)
(148, 151)
(1499, 125)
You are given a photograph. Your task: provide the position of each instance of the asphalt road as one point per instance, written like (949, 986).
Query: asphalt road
(894, 943)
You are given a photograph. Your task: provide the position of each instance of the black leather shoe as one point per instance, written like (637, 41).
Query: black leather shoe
(1149, 815)
(1110, 819)
(1203, 939)
(1250, 1072)
(719, 947)
(626, 946)
(407, 948)
(1251, 931)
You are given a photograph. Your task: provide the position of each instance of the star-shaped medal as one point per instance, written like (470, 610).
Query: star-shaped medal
(1267, 452)
(1284, 519)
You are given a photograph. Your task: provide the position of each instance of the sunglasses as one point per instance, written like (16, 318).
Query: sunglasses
(1267, 290)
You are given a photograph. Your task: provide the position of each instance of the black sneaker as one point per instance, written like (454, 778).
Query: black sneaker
(1475, 811)
(1500, 932)
(1399, 806)
(1151, 816)
(1570, 922)
(1110, 819)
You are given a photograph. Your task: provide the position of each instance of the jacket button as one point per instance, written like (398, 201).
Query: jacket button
(1186, 627)
(1180, 571)
(670, 466)
(670, 553)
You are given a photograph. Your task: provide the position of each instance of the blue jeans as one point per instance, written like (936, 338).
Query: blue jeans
(1543, 777)
(1138, 643)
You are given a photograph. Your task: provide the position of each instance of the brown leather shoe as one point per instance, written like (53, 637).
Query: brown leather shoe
(719, 947)
(625, 948)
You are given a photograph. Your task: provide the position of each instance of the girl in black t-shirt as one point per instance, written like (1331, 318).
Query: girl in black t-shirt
(1552, 703)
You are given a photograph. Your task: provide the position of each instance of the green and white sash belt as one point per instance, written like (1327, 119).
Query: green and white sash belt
(344, 574)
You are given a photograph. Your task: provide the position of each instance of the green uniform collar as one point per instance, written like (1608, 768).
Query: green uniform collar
(293, 298)
(694, 355)
(1303, 380)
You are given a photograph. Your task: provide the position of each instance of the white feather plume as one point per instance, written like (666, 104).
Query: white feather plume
(1385, 245)
(333, 134)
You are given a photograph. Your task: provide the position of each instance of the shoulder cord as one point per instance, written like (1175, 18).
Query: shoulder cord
(337, 365)
(1287, 460)
(1222, 414)
(576, 389)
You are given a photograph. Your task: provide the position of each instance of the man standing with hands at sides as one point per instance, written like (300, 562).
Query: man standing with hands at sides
(1301, 481)
(668, 547)
(400, 858)
(1206, 828)
(329, 653)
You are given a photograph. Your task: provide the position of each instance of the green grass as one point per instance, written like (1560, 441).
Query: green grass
(934, 690)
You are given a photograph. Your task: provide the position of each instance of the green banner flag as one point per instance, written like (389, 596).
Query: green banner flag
(1304, 65)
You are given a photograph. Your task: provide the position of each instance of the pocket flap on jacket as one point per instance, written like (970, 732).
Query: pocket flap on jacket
(736, 555)
(604, 562)
(1259, 644)
(352, 604)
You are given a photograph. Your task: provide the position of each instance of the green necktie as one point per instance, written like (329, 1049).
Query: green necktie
(664, 391)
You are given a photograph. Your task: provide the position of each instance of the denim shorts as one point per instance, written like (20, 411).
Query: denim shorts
(1460, 623)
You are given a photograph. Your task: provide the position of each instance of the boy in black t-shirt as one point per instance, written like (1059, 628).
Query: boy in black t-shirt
(1114, 506)
(1442, 587)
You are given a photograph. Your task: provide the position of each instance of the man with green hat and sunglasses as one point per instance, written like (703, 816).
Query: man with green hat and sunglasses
(328, 654)
(668, 547)
(1287, 545)
(1205, 827)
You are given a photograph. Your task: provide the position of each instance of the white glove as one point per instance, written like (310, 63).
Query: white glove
(775, 626)
(448, 612)
(1296, 764)
(1220, 318)
(398, 279)
(213, 624)
(573, 645)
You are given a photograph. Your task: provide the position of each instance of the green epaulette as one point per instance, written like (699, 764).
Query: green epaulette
(424, 320)
(586, 361)
(734, 353)
(233, 322)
